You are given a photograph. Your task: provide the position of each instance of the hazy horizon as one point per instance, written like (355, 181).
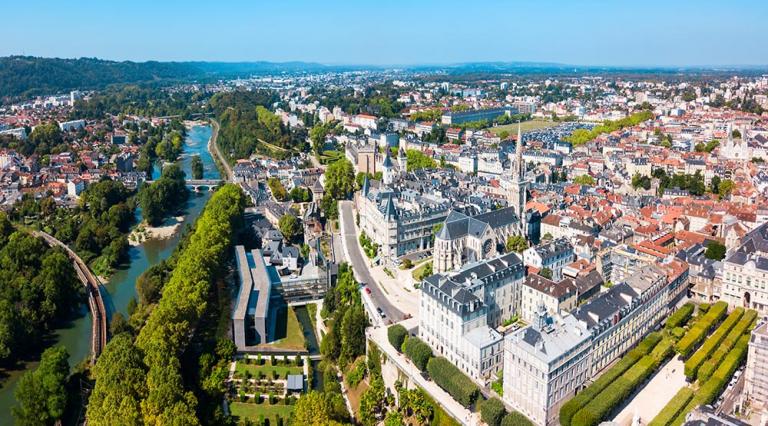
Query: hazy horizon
(590, 33)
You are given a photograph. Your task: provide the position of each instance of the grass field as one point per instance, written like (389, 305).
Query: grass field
(267, 369)
(288, 334)
(255, 411)
(526, 126)
(422, 271)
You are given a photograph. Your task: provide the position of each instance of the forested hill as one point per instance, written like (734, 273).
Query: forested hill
(25, 76)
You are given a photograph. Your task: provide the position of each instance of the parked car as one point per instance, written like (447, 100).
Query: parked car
(368, 290)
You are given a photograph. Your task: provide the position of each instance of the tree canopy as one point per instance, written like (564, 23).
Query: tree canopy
(41, 394)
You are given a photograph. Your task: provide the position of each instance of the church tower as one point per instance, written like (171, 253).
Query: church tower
(518, 190)
(388, 175)
(402, 161)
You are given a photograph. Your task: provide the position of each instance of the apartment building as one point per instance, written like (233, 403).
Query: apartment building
(756, 373)
(745, 272)
(554, 255)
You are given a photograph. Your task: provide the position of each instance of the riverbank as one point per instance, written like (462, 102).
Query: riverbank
(144, 232)
(213, 148)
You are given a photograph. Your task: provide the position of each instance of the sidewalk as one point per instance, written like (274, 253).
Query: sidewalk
(655, 395)
(453, 408)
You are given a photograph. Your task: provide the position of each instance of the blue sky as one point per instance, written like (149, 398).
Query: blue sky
(619, 32)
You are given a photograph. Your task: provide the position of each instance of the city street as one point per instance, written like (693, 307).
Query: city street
(360, 263)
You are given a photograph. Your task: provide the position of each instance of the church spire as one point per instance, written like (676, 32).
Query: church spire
(519, 168)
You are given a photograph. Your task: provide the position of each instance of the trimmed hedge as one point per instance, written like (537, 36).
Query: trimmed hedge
(612, 396)
(396, 335)
(453, 381)
(515, 419)
(418, 351)
(680, 317)
(694, 362)
(673, 407)
(570, 408)
(700, 329)
(743, 326)
(492, 411)
(663, 350)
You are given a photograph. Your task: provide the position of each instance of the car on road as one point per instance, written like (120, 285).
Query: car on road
(368, 290)
(383, 315)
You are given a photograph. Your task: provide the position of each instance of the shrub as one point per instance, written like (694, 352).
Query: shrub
(570, 408)
(673, 407)
(678, 332)
(646, 345)
(418, 351)
(700, 329)
(744, 325)
(680, 317)
(703, 308)
(515, 419)
(694, 362)
(357, 373)
(663, 350)
(396, 335)
(492, 411)
(453, 381)
(613, 395)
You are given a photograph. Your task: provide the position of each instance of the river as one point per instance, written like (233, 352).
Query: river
(121, 288)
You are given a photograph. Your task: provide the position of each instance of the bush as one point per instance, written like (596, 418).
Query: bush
(357, 373)
(570, 408)
(663, 350)
(453, 381)
(492, 411)
(418, 351)
(515, 419)
(613, 395)
(646, 345)
(678, 332)
(700, 329)
(704, 308)
(396, 335)
(680, 317)
(744, 325)
(673, 407)
(694, 362)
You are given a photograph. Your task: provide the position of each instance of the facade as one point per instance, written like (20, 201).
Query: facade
(554, 297)
(249, 320)
(458, 313)
(756, 373)
(464, 239)
(554, 255)
(399, 222)
(545, 364)
(453, 118)
(745, 272)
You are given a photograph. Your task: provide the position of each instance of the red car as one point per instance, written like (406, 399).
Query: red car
(368, 290)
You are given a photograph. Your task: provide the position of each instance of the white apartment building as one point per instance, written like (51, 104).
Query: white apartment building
(756, 373)
(745, 272)
(458, 313)
(554, 255)
(555, 297)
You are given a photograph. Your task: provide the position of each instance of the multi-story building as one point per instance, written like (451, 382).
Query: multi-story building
(756, 373)
(399, 222)
(464, 239)
(554, 255)
(453, 118)
(745, 272)
(458, 313)
(544, 365)
(555, 297)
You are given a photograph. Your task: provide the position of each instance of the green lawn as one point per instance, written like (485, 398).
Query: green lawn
(267, 369)
(255, 411)
(422, 271)
(526, 126)
(288, 334)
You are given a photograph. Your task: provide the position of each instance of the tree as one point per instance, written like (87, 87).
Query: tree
(725, 188)
(290, 227)
(330, 207)
(516, 243)
(416, 160)
(340, 179)
(315, 409)
(353, 325)
(41, 394)
(516, 419)
(197, 167)
(163, 196)
(418, 351)
(396, 335)
(640, 181)
(715, 250)
(492, 411)
(546, 273)
(371, 402)
(393, 418)
(584, 180)
(277, 189)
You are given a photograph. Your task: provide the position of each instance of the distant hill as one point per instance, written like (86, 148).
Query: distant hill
(25, 76)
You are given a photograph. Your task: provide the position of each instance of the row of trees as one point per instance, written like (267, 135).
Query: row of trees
(582, 136)
(143, 381)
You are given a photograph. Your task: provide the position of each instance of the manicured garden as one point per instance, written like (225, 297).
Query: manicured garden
(288, 333)
(256, 412)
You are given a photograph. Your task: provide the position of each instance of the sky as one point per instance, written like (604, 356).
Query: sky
(394, 32)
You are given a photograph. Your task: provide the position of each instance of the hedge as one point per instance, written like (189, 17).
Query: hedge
(570, 408)
(453, 381)
(680, 317)
(418, 351)
(744, 325)
(492, 411)
(515, 419)
(700, 329)
(396, 335)
(704, 307)
(663, 350)
(709, 391)
(612, 396)
(673, 407)
(694, 362)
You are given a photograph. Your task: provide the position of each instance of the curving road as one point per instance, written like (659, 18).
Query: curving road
(359, 265)
(95, 301)
(213, 143)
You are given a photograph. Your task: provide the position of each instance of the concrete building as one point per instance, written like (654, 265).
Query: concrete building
(458, 313)
(249, 320)
(555, 297)
(452, 118)
(554, 255)
(745, 272)
(756, 373)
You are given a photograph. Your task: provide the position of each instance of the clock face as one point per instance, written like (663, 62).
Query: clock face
(487, 246)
